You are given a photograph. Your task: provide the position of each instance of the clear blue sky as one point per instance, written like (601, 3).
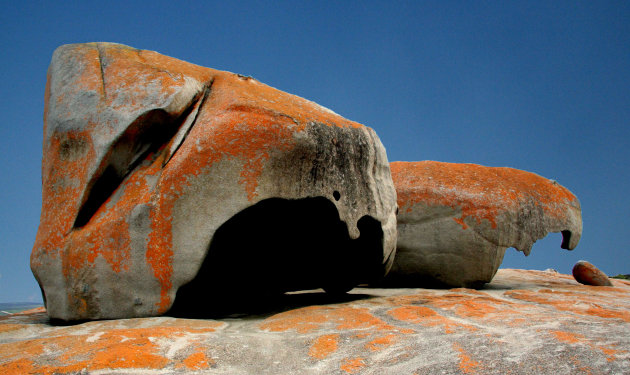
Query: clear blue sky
(540, 86)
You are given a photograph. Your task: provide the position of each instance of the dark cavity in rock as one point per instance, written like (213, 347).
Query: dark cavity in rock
(277, 246)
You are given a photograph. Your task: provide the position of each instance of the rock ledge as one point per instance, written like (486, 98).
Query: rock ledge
(523, 322)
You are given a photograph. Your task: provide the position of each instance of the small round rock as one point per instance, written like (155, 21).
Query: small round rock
(587, 274)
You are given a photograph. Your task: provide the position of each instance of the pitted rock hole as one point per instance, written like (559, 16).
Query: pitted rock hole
(276, 246)
(73, 149)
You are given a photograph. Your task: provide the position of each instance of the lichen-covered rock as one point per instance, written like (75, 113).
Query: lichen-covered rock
(586, 273)
(525, 322)
(457, 220)
(158, 173)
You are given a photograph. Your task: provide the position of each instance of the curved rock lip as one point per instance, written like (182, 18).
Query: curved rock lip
(522, 322)
(146, 157)
(457, 220)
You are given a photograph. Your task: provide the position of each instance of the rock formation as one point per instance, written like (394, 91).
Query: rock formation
(162, 176)
(457, 220)
(524, 322)
(586, 273)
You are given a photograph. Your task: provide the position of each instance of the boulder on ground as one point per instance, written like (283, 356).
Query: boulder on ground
(456, 220)
(164, 179)
(586, 273)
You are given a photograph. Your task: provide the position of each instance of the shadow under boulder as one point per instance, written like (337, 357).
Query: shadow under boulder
(277, 246)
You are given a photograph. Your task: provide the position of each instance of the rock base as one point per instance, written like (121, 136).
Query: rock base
(524, 322)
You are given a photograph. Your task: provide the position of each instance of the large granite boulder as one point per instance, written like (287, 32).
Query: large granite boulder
(164, 179)
(457, 220)
(524, 322)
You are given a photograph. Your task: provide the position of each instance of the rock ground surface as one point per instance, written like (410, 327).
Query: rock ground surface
(524, 322)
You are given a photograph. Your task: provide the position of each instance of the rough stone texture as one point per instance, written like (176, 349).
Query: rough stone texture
(146, 157)
(457, 220)
(586, 273)
(524, 322)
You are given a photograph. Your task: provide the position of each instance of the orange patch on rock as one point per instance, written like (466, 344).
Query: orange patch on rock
(35, 310)
(566, 301)
(196, 361)
(575, 338)
(308, 319)
(324, 346)
(426, 317)
(480, 192)
(568, 337)
(61, 192)
(21, 366)
(381, 343)
(474, 304)
(10, 327)
(352, 365)
(114, 348)
(466, 364)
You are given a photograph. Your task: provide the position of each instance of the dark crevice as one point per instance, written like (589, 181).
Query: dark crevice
(277, 246)
(144, 137)
(202, 101)
(566, 239)
(100, 63)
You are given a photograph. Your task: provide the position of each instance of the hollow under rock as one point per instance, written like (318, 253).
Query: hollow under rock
(277, 246)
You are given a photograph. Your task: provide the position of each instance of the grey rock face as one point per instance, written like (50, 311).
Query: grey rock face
(158, 173)
(457, 220)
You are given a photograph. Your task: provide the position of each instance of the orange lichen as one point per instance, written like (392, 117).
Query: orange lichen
(568, 337)
(427, 317)
(481, 193)
(575, 338)
(133, 348)
(308, 319)
(464, 303)
(323, 346)
(380, 343)
(10, 327)
(466, 364)
(196, 361)
(352, 365)
(477, 307)
(34, 310)
(590, 305)
(61, 190)
(21, 366)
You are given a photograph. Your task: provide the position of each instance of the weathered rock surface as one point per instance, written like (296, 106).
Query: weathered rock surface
(457, 220)
(524, 322)
(586, 273)
(154, 169)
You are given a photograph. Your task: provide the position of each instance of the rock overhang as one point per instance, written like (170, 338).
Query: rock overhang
(145, 156)
(457, 220)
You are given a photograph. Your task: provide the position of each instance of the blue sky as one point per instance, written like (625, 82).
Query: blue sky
(540, 86)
